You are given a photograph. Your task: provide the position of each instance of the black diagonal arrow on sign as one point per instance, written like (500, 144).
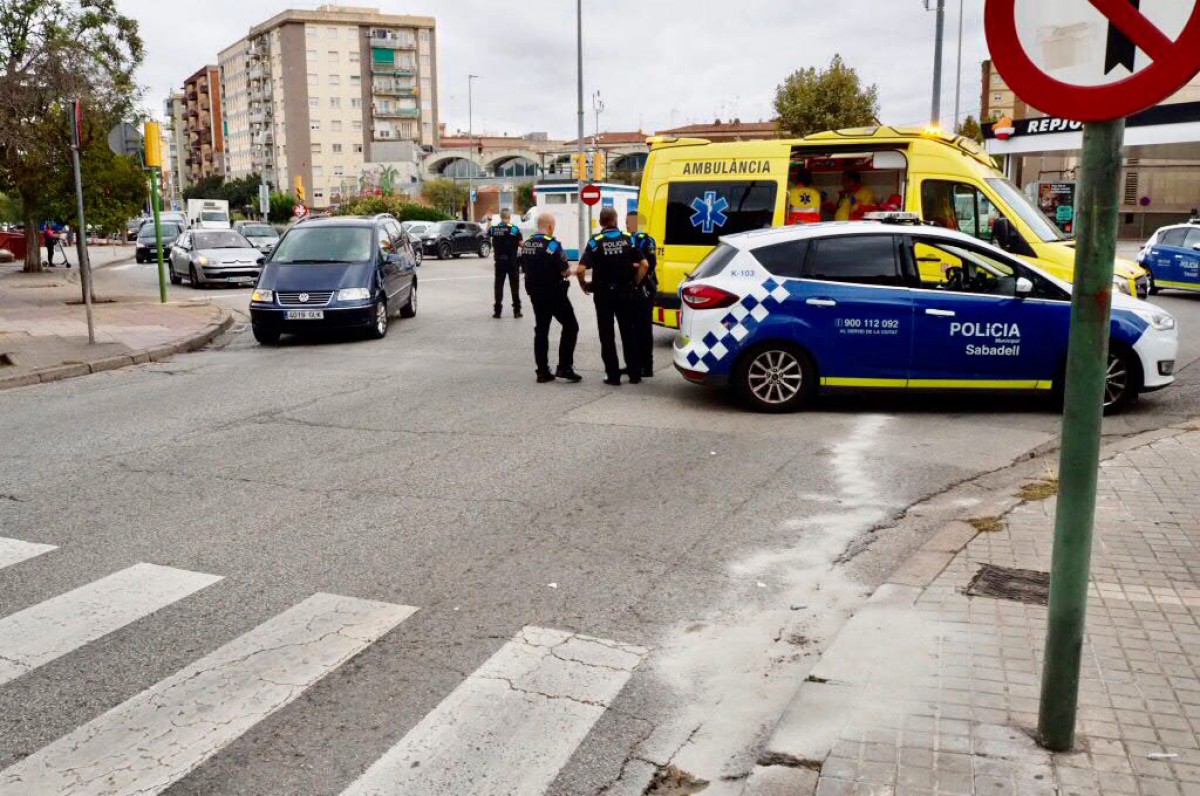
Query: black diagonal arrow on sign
(1121, 49)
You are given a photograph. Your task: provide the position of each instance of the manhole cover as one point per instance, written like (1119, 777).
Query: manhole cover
(1006, 583)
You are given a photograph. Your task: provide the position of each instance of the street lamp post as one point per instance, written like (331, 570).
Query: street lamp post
(958, 71)
(936, 115)
(471, 147)
(579, 185)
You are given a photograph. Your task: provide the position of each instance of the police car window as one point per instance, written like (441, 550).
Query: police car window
(1173, 237)
(715, 262)
(1193, 238)
(962, 269)
(862, 259)
(783, 259)
(699, 213)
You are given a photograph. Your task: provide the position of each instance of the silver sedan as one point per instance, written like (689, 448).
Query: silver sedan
(215, 257)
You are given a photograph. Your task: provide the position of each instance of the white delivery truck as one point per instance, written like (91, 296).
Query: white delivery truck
(561, 200)
(208, 214)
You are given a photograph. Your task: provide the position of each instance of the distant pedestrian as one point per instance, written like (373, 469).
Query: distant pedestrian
(647, 290)
(617, 270)
(506, 241)
(544, 261)
(50, 240)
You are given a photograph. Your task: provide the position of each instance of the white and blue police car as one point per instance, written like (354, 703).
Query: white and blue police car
(782, 314)
(1172, 256)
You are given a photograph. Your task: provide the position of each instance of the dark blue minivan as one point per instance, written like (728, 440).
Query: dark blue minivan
(336, 273)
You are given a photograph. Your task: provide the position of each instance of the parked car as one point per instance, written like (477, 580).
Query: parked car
(261, 234)
(336, 273)
(1172, 256)
(221, 257)
(415, 230)
(147, 241)
(447, 239)
(132, 228)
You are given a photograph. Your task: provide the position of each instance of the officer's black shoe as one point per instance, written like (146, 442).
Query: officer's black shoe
(495, 313)
(635, 379)
(566, 374)
(544, 377)
(647, 373)
(517, 313)
(613, 381)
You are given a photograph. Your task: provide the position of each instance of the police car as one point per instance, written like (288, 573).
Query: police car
(1172, 256)
(782, 314)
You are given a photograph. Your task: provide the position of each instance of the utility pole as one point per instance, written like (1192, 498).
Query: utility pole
(85, 266)
(935, 116)
(579, 185)
(598, 106)
(958, 71)
(471, 147)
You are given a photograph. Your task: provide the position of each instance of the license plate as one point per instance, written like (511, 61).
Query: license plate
(242, 279)
(304, 315)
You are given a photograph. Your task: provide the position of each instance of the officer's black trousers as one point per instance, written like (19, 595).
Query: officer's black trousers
(644, 330)
(552, 304)
(506, 269)
(621, 308)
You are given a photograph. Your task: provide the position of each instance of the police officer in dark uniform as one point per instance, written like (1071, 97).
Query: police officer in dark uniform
(647, 289)
(617, 270)
(506, 241)
(544, 261)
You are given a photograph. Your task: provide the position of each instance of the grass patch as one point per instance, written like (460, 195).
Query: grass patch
(987, 524)
(1038, 490)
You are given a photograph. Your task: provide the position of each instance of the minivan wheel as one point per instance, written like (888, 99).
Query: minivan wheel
(1123, 380)
(485, 249)
(379, 328)
(444, 251)
(264, 335)
(409, 310)
(775, 378)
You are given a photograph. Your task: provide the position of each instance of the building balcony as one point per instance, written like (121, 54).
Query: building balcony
(259, 117)
(400, 70)
(391, 89)
(256, 73)
(392, 41)
(192, 94)
(398, 113)
(265, 137)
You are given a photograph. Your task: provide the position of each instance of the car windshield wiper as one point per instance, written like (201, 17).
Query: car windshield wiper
(308, 262)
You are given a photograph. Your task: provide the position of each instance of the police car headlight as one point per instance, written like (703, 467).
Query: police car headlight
(1160, 321)
(354, 294)
(1121, 285)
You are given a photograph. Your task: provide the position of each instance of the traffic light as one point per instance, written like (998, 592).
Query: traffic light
(579, 166)
(599, 167)
(301, 195)
(153, 145)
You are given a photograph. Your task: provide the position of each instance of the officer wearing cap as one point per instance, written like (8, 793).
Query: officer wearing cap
(506, 241)
(544, 261)
(617, 269)
(647, 289)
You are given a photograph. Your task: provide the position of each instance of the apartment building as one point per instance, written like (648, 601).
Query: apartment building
(206, 140)
(177, 141)
(313, 94)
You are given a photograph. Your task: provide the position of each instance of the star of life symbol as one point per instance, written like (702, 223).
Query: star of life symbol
(710, 211)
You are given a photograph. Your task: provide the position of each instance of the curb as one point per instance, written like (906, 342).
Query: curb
(811, 722)
(60, 372)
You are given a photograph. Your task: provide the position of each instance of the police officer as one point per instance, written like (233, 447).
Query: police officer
(617, 270)
(544, 261)
(647, 289)
(506, 241)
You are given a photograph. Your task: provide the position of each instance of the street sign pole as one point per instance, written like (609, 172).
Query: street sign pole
(85, 267)
(1087, 371)
(162, 267)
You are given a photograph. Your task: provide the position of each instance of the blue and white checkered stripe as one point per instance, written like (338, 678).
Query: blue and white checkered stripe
(741, 321)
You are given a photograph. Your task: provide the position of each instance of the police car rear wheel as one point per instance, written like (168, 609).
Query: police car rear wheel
(776, 378)
(1153, 289)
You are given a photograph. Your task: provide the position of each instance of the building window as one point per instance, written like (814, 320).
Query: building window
(337, 149)
(318, 194)
(336, 125)
(356, 80)
(358, 149)
(318, 171)
(311, 32)
(316, 149)
(355, 57)
(314, 125)
(314, 102)
(313, 78)
(339, 171)
(312, 55)
(335, 102)
(356, 125)
(335, 80)
(356, 103)
(331, 33)
(333, 56)
(424, 36)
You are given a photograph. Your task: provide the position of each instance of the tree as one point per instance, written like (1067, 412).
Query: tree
(242, 193)
(282, 205)
(10, 210)
(403, 208)
(212, 187)
(446, 195)
(115, 187)
(812, 101)
(53, 51)
(970, 129)
(524, 199)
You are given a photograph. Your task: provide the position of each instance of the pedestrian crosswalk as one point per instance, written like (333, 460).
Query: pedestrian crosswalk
(508, 728)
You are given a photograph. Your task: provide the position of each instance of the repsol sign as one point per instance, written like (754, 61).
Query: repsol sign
(712, 168)
(1023, 127)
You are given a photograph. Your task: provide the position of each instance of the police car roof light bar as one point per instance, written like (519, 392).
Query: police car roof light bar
(895, 217)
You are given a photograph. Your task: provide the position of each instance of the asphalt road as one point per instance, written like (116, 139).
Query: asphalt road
(457, 511)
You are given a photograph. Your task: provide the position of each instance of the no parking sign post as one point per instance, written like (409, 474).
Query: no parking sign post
(1126, 56)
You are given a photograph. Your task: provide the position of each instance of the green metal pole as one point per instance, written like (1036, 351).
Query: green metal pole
(1079, 459)
(162, 269)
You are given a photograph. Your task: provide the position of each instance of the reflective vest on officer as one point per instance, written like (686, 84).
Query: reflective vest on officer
(614, 260)
(544, 261)
(506, 239)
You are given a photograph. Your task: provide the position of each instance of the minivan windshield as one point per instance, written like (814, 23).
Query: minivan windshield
(168, 231)
(324, 244)
(1043, 227)
(221, 240)
(259, 231)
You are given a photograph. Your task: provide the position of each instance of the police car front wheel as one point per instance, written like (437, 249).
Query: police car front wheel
(776, 377)
(1122, 381)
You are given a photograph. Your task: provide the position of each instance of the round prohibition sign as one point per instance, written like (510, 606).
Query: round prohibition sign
(1174, 63)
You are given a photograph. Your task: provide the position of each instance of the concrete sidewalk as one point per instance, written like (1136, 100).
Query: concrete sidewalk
(43, 326)
(932, 689)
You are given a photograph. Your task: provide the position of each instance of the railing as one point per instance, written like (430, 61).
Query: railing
(392, 40)
(393, 69)
(399, 113)
(393, 89)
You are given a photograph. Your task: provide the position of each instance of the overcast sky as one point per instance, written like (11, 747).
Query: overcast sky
(656, 63)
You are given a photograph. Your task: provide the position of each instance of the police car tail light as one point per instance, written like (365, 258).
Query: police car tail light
(707, 297)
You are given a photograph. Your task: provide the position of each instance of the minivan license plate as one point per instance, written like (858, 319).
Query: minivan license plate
(305, 315)
(242, 279)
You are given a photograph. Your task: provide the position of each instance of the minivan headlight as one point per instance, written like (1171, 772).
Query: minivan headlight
(354, 294)
(1160, 321)
(262, 296)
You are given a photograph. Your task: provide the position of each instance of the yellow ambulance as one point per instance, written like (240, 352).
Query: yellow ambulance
(695, 191)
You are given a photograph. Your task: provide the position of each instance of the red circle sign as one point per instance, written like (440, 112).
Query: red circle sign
(590, 195)
(1174, 64)
(300, 211)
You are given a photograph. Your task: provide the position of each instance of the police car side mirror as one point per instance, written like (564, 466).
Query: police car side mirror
(1024, 287)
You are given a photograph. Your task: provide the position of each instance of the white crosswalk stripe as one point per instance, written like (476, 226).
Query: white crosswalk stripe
(513, 724)
(14, 551)
(151, 741)
(46, 631)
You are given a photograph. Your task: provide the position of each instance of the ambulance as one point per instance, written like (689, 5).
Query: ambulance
(695, 191)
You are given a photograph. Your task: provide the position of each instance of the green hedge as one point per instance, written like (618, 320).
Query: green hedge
(402, 209)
